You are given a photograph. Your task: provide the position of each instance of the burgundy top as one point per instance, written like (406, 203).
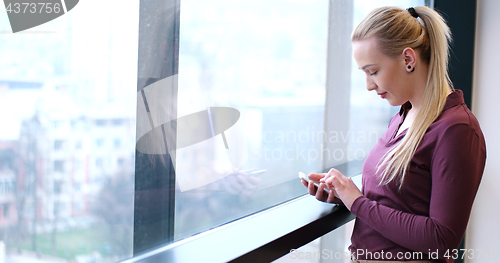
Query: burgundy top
(430, 212)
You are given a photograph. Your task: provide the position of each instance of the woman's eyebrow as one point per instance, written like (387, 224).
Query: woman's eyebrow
(369, 65)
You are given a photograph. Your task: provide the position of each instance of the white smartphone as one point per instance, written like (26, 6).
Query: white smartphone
(304, 177)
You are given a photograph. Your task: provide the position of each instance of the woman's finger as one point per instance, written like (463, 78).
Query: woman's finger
(311, 188)
(306, 184)
(316, 176)
(332, 198)
(320, 193)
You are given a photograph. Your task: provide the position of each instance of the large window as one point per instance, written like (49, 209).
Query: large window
(126, 130)
(235, 98)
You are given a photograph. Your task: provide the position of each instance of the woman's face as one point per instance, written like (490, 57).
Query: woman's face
(385, 75)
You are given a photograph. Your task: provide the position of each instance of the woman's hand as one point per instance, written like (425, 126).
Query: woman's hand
(318, 191)
(347, 191)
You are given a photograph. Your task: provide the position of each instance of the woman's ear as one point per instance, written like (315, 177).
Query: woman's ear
(410, 57)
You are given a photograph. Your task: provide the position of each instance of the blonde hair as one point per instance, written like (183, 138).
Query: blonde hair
(396, 29)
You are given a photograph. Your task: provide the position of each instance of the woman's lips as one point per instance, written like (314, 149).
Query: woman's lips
(382, 95)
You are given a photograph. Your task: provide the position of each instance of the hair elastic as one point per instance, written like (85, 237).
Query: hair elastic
(412, 12)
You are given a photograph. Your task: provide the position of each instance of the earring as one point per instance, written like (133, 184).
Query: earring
(409, 67)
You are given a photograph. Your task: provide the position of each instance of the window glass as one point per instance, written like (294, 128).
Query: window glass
(66, 87)
(257, 70)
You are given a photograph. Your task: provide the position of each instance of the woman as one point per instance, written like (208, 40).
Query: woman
(420, 179)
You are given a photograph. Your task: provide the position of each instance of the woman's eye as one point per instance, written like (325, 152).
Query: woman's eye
(371, 74)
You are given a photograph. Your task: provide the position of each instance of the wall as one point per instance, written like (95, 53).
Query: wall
(484, 230)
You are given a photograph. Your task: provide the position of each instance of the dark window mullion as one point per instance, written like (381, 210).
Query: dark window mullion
(154, 206)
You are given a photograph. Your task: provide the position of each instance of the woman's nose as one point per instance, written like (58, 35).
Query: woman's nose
(370, 85)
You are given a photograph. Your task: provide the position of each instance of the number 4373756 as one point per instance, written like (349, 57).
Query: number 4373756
(33, 8)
